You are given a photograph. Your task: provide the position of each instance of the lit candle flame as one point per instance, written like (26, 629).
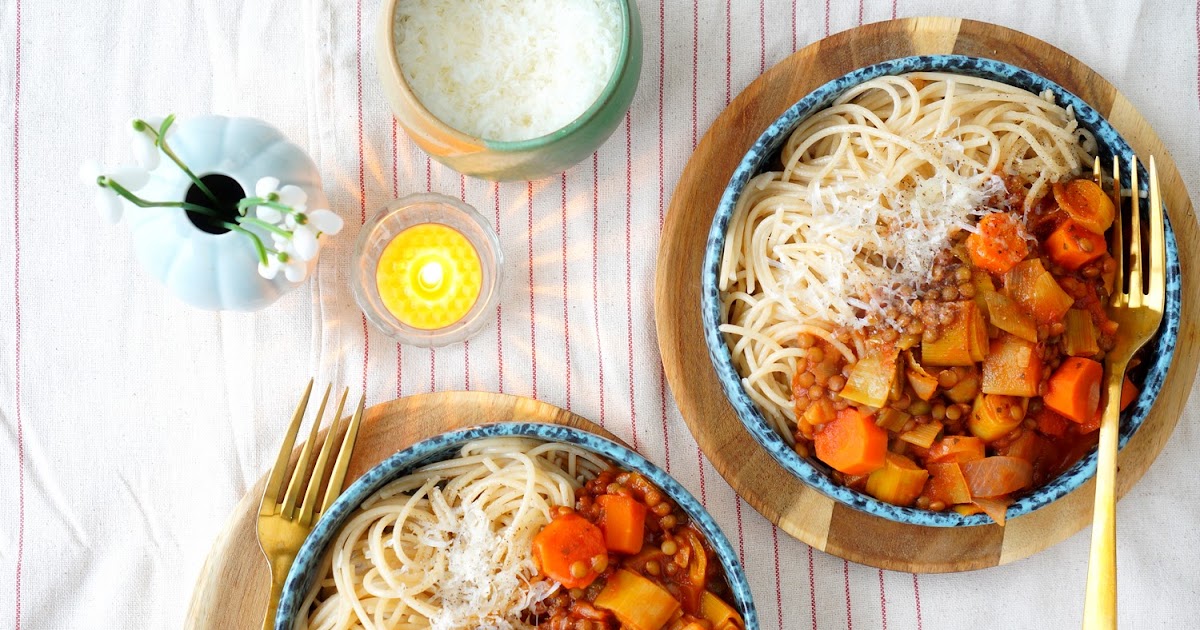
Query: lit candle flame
(430, 275)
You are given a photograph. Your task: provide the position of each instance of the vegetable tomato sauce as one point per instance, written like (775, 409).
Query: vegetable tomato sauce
(992, 385)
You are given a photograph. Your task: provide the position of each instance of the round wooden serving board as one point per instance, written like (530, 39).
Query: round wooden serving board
(231, 592)
(801, 511)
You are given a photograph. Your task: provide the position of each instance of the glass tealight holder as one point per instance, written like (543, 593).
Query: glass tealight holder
(427, 270)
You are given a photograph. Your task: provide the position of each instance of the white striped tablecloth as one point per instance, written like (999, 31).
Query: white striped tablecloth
(130, 424)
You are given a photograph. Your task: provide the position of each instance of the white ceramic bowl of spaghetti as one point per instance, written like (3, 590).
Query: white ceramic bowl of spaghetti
(439, 536)
(832, 223)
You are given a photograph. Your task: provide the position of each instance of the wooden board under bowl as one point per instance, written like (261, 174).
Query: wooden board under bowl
(231, 592)
(798, 509)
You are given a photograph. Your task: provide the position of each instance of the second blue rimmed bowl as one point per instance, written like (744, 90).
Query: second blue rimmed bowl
(447, 445)
(763, 155)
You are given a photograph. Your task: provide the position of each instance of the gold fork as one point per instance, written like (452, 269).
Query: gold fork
(281, 528)
(1138, 312)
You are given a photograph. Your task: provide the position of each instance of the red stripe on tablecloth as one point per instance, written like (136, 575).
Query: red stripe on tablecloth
(846, 577)
(395, 194)
(629, 270)
(762, 36)
(826, 18)
(729, 52)
(566, 316)
(17, 318)
(894, 9)
(499, 307)
(596, 277)
(793, 25)
(917, 595)
(462, 195)
(778, 585)
(662, 66)
(432, 352)
(362, 176)
(860, 12)
(882, 600)
(695, 140)
(812, 589)
(532, 312)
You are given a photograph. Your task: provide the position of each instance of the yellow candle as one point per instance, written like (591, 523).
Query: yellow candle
(429, 276)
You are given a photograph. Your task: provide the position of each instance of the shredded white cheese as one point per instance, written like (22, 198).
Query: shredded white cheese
(507, 69)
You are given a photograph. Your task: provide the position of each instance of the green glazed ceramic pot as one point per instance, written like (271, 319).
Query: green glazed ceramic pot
(526, 159)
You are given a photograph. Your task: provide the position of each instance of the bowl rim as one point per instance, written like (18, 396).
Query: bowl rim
(433, 123)
(445, 445)
(1109, 141)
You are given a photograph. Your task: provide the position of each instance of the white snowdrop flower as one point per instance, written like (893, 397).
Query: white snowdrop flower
(271, 269)
(266, 186)
(131, 178)
(293, 196)
(304, 242)
(268, 214)
(144, 150)
(295, 269)
(108, 203)
(325, 222)
(290, 221)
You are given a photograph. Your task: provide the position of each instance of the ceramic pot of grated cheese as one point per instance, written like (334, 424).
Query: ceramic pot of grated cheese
(509, 91)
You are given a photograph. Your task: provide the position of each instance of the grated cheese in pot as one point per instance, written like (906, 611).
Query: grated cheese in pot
(507, 70)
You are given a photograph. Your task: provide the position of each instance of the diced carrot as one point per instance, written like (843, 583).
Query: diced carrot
(1129, 393)
(996, 507)
(1050, 422)
(998, 245)
(1073, 246)
(1085, 202)
(997, 475)
(852, 444)
(955, 449)
(947, 484)
(623, 520)
(1012, 367)
(563, 544)
(1074, 389)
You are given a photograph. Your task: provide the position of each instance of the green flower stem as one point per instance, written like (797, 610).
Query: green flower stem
(258, 244)
(161, 140)
(142, 203)
(264, 225)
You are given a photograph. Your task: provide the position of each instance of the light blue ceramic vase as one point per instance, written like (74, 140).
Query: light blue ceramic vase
(217, 271)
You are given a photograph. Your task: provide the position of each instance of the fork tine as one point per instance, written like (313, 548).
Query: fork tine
(266, 507)
(338, 476)
(314, 483)
(1117, 240)
(1134, 290)
(1156, 297)
(288, 507)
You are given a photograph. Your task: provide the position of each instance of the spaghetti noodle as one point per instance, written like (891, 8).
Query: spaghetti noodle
(871, 191)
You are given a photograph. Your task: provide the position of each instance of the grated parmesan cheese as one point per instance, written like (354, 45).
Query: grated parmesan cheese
(507, 70)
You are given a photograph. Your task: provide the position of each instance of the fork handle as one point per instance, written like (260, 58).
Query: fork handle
(1100, 600)
(279, 572)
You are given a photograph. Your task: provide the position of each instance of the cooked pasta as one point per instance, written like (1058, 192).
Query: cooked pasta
(448, 546)
(870, 191)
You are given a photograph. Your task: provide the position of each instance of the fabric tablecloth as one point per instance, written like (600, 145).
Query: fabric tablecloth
(130, 424)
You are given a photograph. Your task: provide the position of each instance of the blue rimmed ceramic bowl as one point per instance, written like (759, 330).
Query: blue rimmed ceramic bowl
(764, 155)
(446, 445)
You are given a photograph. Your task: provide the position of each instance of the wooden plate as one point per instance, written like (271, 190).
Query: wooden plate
(231, 592)
(799, 510)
